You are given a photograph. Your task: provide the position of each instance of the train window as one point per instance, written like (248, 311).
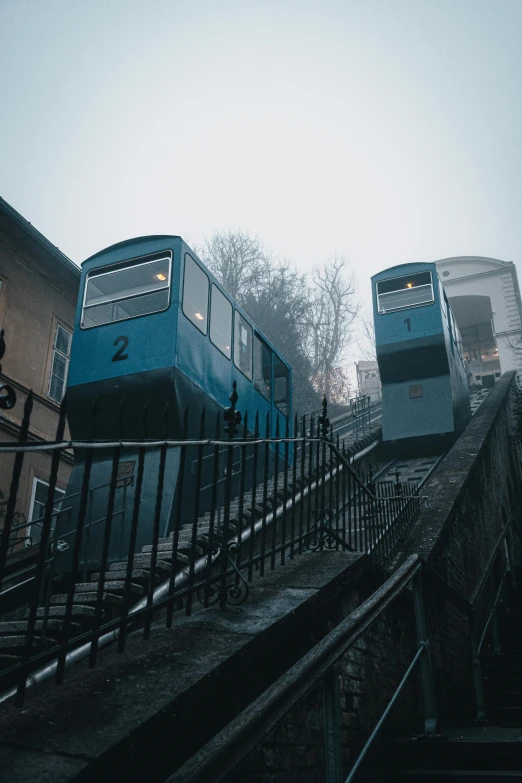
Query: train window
(139, 288)
(242, 345)
(195, 294)
(221, 321)
(262, 367)
(400, 293)
(281, 385)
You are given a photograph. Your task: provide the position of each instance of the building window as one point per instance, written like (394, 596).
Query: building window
(37, 509)
(59, 364)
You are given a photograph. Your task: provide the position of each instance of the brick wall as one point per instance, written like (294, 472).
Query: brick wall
(472, 491)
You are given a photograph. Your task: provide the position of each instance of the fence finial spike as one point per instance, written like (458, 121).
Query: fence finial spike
(231, 416)
(324, 421)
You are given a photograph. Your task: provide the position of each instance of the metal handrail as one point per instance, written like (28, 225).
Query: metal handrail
(148, 444)
(39, 521)
(492, 613)
(249, 728)
(227, 751)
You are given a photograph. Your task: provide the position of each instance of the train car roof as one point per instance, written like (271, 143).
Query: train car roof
(127, 242)
(409, 265)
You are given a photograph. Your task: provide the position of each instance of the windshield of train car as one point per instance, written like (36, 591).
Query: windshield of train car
(221, 321)
(281, 385)
(140, 288)
(400, 293)
(242, 345)
(262, 366)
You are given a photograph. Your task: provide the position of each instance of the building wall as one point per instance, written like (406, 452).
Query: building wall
(472, 494)
(39, 290)
(497, 280)
(369, 380)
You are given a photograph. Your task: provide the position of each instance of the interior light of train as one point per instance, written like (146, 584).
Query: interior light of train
(409, 285)
(161, 277)
(199, 316)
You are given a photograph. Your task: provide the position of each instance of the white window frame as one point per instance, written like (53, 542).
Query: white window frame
(383, 310)
(31, 522)
(67, 358)
(115, 298)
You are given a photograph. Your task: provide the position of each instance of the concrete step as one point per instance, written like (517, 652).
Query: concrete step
(112, 586)
(186, 532)
(165, 550)
(16, 642)
(88, 598)
(166, 546)
(52, 627)
(138, 575)
(143, 561)
(79, 610)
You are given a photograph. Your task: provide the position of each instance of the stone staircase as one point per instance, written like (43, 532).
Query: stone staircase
(490, 752)
(13, 632)
(49, 632)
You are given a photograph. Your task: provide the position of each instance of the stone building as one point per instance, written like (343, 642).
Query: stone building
(38, 293)
(368, 380)
(485, 298)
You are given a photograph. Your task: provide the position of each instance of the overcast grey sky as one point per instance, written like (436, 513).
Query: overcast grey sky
(388, 130)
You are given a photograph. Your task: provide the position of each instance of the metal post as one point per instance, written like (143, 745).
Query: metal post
(477, 674)
(495, 632)
(508, 544)
(333, 750)
(425, 663)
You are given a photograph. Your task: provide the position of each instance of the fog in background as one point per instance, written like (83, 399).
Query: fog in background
(387, 130)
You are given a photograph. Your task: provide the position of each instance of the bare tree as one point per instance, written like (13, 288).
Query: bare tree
(366, 339)
(238, 260)
(332, 311)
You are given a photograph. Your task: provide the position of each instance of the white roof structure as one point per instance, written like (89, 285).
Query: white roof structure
(485, 298)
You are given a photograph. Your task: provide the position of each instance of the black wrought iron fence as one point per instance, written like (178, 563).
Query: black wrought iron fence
(152, 524)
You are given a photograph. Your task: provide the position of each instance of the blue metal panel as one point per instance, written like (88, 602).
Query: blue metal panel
(424, 320)
(151, 338)
(413, 417)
